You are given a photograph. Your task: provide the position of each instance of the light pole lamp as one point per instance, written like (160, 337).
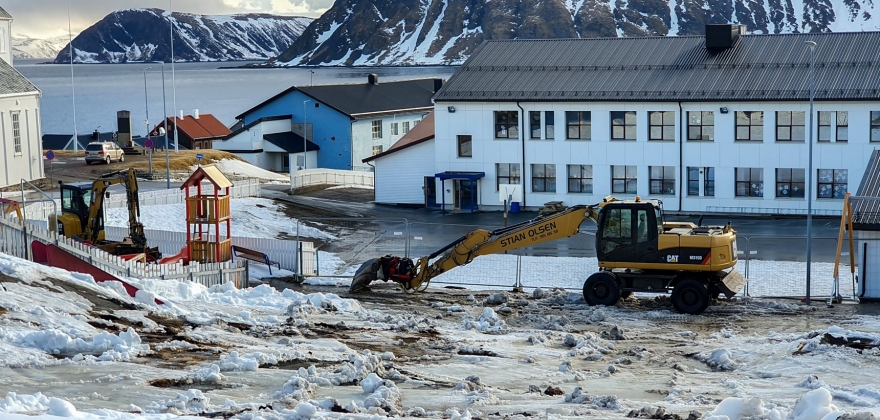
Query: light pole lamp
(812, 46)
(305, 135)
(146, 102)
(165, 125)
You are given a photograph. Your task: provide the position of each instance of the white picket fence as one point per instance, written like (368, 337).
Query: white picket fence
(281, 251)
(15, 240)
(310, 177)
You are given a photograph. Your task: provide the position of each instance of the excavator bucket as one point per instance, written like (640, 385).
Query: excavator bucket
(732, 283)
(364, 275)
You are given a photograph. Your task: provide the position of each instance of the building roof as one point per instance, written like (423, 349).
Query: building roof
(209, 172)
(205, 127)
(12, 82)
(4, 14)
(290, 142)
(243, 128)
(866, 203)
(673, 68)
(421, 133)
(366, 98)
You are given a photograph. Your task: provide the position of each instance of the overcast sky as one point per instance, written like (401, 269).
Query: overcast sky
(48, 18)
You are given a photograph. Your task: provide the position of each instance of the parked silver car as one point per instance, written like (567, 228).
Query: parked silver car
(104, 152)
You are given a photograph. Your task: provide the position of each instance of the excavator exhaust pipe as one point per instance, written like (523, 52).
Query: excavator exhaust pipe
(367, 272)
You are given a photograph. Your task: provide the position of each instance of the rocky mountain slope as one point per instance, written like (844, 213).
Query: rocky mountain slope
(418, 32)
(26, 47)
(143, 35)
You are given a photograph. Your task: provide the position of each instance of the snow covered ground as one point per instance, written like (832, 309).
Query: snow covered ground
(72, 348)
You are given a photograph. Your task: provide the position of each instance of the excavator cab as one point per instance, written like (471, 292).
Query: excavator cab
(76, 201)
(629, 231)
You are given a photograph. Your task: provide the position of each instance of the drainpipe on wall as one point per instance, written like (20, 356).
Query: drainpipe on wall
(374, 180)
(681, 124)
(522, 133)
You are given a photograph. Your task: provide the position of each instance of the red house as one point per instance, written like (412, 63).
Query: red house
(195, 131)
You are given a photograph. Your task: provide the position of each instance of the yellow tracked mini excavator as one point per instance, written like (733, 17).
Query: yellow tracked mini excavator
(82, 215)
(636, 249)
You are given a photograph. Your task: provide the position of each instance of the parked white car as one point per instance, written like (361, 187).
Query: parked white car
(104, 152)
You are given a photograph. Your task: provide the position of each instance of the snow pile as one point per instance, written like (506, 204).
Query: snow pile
(587, 345)
(476, 393)
(193, 402)
(29, 272)
(488, 323)
(111, 347)
(233, 167)
(397, 322)
(357, 368)
(814, 405)
(299, 388)
(720, 359)
(14, 403)
(384, 400)
(579, 396)
(210, 374)
(246, 362)
(318, 302)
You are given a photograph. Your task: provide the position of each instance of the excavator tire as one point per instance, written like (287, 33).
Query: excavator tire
(690, 296)
(602, 288)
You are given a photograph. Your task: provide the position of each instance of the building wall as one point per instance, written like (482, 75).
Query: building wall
(400, 176)
(6, 40)
(724, 154)
(28, 163)
(331, 128)
(362, 134)
(869, 272)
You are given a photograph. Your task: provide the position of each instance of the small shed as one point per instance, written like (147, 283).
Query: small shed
(866, 225)
(207, 211)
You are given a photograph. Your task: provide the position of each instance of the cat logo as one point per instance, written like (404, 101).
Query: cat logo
(672, 258)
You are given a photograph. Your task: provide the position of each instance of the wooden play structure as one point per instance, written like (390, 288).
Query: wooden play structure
(206, 213)
(8, 206)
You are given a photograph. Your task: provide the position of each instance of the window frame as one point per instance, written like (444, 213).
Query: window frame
(874, 124)
(534, 130)
(782, 180)
(546, 168)
(376, 129)
(701, 126)
(664, 180)
(629, 128)
(786, 120)
(627, 179)
(581, 178)
(751, 190)
(833, 184)
(751, 126)
(461, 140)
(666, 125)
(394, 130)
(404, 126)
(381, 148)
(549, 125)
(708, 181)
(582, 124)
(693, 170)
(16, 131)
(510, 126)
(509, 177)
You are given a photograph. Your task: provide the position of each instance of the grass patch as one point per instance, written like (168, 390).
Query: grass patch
(183, 160)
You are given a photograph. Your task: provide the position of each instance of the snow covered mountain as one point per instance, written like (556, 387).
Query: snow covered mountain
(26, 47)
(417, 32)
(142, 35)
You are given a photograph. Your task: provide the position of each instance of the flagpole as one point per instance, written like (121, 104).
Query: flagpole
(72, 86)
(173, 82)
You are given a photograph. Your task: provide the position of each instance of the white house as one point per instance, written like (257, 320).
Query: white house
(406, 169)
(19, 117)
(706, 124)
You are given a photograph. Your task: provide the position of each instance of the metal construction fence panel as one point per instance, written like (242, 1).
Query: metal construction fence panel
(309, 177)
(350, 241)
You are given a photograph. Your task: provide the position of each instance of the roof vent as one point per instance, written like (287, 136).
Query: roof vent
(438, 83)
(723, 36)
(373, 79)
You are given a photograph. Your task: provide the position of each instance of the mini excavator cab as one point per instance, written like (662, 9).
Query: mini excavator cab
(629, 231)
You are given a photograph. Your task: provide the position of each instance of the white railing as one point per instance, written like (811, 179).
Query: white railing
(281, 251)
(309, 177)
(15, 240)
(764, 210)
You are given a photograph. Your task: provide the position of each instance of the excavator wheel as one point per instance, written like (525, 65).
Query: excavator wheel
(690, 296)
(602, 288)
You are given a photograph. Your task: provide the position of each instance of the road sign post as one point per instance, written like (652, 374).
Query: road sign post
(148, 144)
(200, 156)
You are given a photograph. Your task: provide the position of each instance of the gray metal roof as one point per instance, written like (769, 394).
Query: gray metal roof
(866, 203)
(12, 82)
(674, 68)
(290, 142)
(4, 14)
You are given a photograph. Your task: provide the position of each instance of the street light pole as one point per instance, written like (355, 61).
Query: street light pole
(147, 123)
(812, 46)
(305, 135)
(165, 124)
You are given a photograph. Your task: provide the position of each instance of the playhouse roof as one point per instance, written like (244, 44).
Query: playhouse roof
(209, 172)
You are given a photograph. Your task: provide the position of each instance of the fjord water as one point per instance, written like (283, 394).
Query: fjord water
(215, 88)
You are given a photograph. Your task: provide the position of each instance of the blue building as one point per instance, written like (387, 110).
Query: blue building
(329, 126)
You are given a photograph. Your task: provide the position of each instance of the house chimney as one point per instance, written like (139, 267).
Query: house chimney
(438, 83)
(181, 114)
(720, 37)
(373, 79)
(196, 113)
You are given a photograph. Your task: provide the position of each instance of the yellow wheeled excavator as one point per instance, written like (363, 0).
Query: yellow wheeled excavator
(82, 215)
(637, 251)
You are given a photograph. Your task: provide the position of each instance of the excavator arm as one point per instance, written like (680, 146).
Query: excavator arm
(99, 187)
(415, 276)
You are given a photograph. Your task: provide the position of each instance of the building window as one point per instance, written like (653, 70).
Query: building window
(535, 124)
(578, 125)
(506, 173)
(693, 181)
(624, 179)
(377, 149)
(701, 125)
(549, 125)
(790, 183)
(832, 183)
(875, 125)
(580, 179)
(405, 127)
(16, 131)
(623, 125)
(506, 125)
(749, 182)
(709, 182)
(543, 178)
(394, 131)
(750, 125)
(464, 145)
(416, 122)
(377, 129)
(790, 126)
(662, 179)
(661, 125)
